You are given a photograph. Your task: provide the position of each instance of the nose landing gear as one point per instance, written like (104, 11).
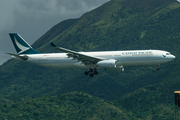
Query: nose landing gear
(158, 69)
(91, 72)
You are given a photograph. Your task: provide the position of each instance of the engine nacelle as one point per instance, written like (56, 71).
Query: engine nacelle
(117, 68)
(107, 64)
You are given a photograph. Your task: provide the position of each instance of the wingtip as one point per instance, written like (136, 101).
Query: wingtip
(53, 45)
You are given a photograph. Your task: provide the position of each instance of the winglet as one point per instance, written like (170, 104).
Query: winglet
(53, 45)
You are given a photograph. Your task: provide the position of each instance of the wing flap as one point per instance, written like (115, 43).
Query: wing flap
(85, 59)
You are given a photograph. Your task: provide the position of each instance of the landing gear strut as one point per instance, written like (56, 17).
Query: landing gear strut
(91, 72)
(158, 69)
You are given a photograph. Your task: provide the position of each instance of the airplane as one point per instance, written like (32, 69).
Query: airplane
(115, 60)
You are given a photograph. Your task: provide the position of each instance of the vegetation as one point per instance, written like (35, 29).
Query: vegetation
(73, 106)
(32, 92)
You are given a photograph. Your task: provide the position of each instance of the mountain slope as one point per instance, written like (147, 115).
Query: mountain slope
(116, 25)
(121, 28)
(53, 32)
(70, 106)
(153, 101)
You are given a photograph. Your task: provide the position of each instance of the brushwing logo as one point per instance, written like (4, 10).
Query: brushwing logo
(164, 56)
(21, 47)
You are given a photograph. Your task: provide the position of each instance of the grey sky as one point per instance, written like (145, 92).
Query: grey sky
(32, 18)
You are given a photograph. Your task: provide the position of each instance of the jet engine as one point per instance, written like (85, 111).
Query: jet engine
(107, 64)
(119, 68)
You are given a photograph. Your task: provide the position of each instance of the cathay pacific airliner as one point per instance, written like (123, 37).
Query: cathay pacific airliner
(115, 60)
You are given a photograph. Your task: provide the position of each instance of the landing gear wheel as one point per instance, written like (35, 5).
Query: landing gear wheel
(86, 72)
(91, 70)
(158, 65)
(91, 75)
(158, 69)
(95, 72)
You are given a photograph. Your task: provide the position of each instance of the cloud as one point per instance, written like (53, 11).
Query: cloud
(12, 11)
(178, 0)
(32, 18)
(4, 57)
(44, 8)
(6, 14)
(37, 9)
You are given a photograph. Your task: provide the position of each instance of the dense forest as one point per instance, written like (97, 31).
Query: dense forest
(29, 91)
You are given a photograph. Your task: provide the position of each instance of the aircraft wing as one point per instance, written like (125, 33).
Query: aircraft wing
(86, 59)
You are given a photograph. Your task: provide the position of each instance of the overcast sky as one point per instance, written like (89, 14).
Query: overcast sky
(32, 18)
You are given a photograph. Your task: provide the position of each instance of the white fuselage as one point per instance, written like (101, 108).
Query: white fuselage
(123, 58)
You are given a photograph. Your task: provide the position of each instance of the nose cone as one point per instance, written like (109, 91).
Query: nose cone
(168, 58)
(173, 56)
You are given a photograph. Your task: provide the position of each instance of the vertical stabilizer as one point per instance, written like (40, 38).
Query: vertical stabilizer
(21, 46)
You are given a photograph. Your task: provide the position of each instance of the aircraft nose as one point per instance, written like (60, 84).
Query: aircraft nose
(170, 57)
(173, 56)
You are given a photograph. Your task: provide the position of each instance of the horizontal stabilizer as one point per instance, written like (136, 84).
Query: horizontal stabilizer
(23, 57)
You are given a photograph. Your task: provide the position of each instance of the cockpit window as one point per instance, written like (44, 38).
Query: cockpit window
(167, 53)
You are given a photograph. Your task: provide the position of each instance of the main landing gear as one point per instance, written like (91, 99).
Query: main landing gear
(91, 72)
(158, 69)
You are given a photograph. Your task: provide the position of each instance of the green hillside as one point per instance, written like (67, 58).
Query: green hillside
(139, 92)
(70, 106)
